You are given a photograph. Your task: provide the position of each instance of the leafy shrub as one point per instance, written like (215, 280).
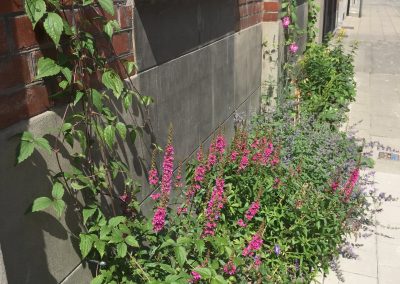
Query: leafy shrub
(325, 79)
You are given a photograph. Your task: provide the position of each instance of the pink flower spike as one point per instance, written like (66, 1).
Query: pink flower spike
(159, 219)
(293, 47)
(153, 177)
(196, 277)
(220, 144)
(285, 22)
(244, 162)
(253, 209)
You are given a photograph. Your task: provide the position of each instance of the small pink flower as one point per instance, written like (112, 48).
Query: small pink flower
(293, 47)
(182, 210)
(285, 22)
(220, 144)
(230, 268)
(253, 209)
(196, 277)
(244, 162)
(155, 196)
(124, 197)
(335, 185)
(234, 155)
(153, 176)
(257, 261)
(241, 223)
(159, 219)
(199, 173)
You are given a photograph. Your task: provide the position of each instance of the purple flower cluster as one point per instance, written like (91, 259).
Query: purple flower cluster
(230, 268)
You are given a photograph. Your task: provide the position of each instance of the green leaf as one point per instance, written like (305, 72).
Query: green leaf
(87, 213)
(127, 101)
(180, 254)
(63, 84)
(67, 74)
(218, 279)
(169, 242)
(35, 9)
(78, 97)
(131, 241)
(58, 190)
(101, 247)
(121, 127)
(146, 100)
(110, 27)
(41, 203)
(87, 2)
(97, 100)
(107, 5)
(109, 135)
(85, 244)
(43, 143)
(98, 279)
(204, 272)
(59, 205)
(115, 221)
(167, 268)
(25, 150)
(130, 66)
(113, 82)
(54, 27)
(47, 67)
(122, 249)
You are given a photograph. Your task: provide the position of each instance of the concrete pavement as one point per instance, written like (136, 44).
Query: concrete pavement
(378, 106)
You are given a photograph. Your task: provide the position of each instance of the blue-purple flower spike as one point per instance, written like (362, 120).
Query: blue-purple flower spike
(277, 249)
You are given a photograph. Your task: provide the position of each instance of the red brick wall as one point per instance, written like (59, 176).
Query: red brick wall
(252, 12)
(21, 96)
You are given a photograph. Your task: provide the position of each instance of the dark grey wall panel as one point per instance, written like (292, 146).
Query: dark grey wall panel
(165, 30)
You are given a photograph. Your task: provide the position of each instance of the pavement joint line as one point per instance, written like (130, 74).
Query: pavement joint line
(360, 274)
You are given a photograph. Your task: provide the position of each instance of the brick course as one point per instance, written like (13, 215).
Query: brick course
(21, 96)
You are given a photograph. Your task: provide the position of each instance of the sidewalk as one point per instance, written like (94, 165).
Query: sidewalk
(378, 106)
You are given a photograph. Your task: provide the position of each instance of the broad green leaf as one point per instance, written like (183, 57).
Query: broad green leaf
(43, 144)
(77, 186)
(54, 26)
(63, 84)
(180, 254)
(87, 213)
(35, 10)
(127, 101)
(218, 279)
(204, 272)
(67, 74)
(130, 66)
(41, 203)
(107, 5)
(122, 249)
(85, 244)
(25, 150)
(58, 190)
(97, 100)
(110, 27)
(109, 135)
(115, 221)
(167, 268)
(112, 81)
(131, 241)
(87, 2)
(47, 67)
(59, 205)
(97, 280)
(27, 136)
(101, 247)
(169, 242)
(78, 97)
(121, 127)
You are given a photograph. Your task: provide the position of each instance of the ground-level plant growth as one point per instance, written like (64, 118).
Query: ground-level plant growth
(274, 204)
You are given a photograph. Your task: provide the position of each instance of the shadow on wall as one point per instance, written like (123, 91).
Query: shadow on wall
(195, 23)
